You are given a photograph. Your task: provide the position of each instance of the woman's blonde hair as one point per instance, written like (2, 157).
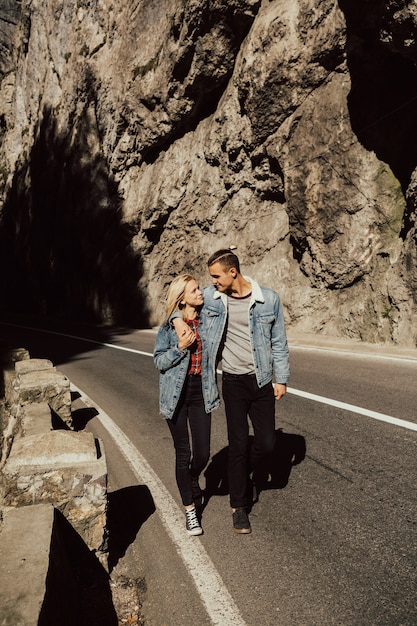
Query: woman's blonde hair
(176, 293)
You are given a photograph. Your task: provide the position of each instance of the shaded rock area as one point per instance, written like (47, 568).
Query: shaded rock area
(135, 139)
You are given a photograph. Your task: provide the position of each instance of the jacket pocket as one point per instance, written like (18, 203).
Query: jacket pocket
(208, 320)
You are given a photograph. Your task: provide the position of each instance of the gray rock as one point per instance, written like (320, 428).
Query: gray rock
(45, 385)
(36, 419)
(171, 129)
(24, 563)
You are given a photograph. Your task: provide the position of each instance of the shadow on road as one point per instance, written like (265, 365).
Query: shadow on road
(128, 509)
(290, 450)
(59, 342)
(77, 585)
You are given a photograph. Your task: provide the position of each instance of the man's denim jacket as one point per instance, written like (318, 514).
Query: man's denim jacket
(173, 366)
(267, 331)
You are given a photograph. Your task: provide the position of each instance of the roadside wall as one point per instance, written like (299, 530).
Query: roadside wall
(51, 475)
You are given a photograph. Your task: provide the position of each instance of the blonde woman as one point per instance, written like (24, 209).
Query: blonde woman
(187, 391)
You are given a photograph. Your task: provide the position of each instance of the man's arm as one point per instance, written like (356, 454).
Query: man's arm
(186, 336)
(280, 355)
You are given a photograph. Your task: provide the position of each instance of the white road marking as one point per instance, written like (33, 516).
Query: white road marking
(304, 394)
(99, 343)
(389, 419)
(364, 355)
(219, 604)
(354, 409)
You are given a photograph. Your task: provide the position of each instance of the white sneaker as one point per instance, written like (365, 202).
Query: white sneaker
(191, 522)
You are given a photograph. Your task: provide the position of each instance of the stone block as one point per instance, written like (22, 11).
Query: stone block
(31, 419)
(35, 419)
(18, 354)
(10, 426)
(24, 563)
(9, 374)
(38, 585)
(45, 385)
(30, 365)
(22, 593)
(63, 468)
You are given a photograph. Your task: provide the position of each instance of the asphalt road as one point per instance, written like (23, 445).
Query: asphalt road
(334, 532)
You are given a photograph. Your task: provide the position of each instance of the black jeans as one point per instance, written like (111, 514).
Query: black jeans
(190, 459)
(242, 398)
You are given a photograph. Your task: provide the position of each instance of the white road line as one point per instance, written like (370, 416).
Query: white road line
(364, 355)
(99, 343)
(304, 394)
(389, 419)
(219, 604)
(354, 409)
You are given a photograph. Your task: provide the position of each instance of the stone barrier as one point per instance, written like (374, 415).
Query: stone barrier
(46, 468)
(65, 469)
(27, 543)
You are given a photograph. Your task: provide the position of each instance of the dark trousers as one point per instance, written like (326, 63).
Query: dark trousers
(190, 418)
(242, 398)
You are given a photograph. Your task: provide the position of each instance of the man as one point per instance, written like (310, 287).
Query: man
(244, 326)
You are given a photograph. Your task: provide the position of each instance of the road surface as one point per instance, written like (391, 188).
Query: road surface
(334, 532)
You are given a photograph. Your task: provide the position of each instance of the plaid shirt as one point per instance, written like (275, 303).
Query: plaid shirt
(195, 356)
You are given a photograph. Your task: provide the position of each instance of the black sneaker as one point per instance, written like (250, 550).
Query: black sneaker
(191, 522)
(241, 524)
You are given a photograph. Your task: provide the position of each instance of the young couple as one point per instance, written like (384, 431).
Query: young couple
(242, 324)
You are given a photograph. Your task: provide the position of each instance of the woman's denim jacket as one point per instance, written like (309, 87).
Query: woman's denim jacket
(267, 331)
(173, 366)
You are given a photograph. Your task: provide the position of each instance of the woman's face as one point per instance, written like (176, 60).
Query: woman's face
(193, 296)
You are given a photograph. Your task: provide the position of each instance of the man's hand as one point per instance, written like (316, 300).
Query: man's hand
(279, 390)
(186, 337)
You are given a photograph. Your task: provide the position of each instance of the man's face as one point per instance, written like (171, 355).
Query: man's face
(221, 278)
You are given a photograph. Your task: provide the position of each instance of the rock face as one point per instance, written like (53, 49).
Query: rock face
(137, 138)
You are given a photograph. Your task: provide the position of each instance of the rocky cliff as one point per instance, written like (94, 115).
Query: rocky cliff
(137, 137)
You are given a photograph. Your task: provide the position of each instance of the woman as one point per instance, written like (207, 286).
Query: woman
(187, 392)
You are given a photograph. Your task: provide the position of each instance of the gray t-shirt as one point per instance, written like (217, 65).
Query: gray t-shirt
(237, 357)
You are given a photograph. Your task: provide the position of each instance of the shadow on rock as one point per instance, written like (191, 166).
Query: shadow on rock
(128, 509)
(66, 250)
(383, 85)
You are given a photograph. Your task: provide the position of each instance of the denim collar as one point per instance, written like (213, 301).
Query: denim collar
(257, 295)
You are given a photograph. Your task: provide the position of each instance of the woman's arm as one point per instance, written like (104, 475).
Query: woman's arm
(167, 353)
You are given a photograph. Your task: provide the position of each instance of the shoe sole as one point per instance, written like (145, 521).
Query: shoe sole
(195, 532)
(242, 531)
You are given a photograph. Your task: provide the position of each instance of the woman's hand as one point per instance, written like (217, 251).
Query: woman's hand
(186, 336)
